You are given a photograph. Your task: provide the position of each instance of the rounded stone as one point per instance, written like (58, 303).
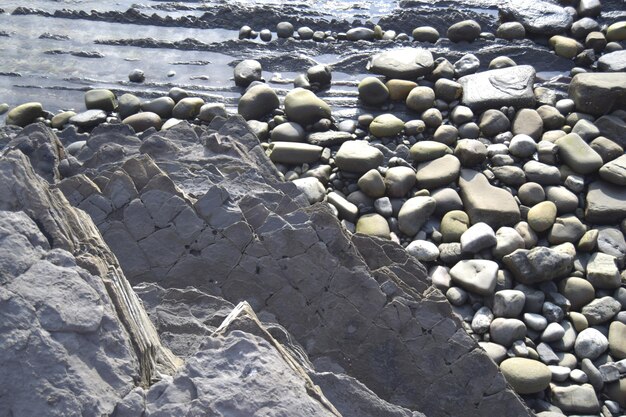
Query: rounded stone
(508, 303)
(386, 125)
(616, 32)
(372, 184)
(358, 156)
(617, 340)
(420, 99)
(399, 181)
(143, 121)
(100, 99)
(304, 107)
(541, 216)
(258, 101)
(565, 47)
(526, 376)
(265, 35)
(414, 213)
(288, 132)
(284, 30)
(24, 114)
(128, 104)
(61, 119)
(162, 106)
(470, 152)
(373, 91)
(578, 291)
(425, 34)
(247, 71)
(505, 331)
(467, 30)
(399, 89)
(453, 224)
(522, 146)
(527, 122)
(136, 76)
(590, 343)
(373, 225)
(493, 122)
(511, 30)
(209, 111)
(423, 250)
(187, 108)
(428, 150)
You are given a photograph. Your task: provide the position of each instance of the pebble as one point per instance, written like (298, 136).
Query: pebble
(136, 76)
(476, 275)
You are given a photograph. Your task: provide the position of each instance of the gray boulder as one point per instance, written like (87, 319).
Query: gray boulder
(511, 86)
(538, 17)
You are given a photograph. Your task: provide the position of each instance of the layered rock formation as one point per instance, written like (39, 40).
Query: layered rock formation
(203, 207)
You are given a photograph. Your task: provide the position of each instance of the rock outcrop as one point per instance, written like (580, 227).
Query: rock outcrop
(203, 207)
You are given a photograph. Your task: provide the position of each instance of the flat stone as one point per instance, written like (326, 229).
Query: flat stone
(575, 399)
(540, 263)
(613, 128)
(486, 203)
(89, 118)
(526, 376)
(501, 87)
(358, 156)
(403, 63)
(615, 171)
(439, 172)
(598, 93)
(294, 153)
(329, 138)
(606, 203)
(476, 275)
(613, 62)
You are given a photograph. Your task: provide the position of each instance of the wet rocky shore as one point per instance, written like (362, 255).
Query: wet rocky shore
(330, 209)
